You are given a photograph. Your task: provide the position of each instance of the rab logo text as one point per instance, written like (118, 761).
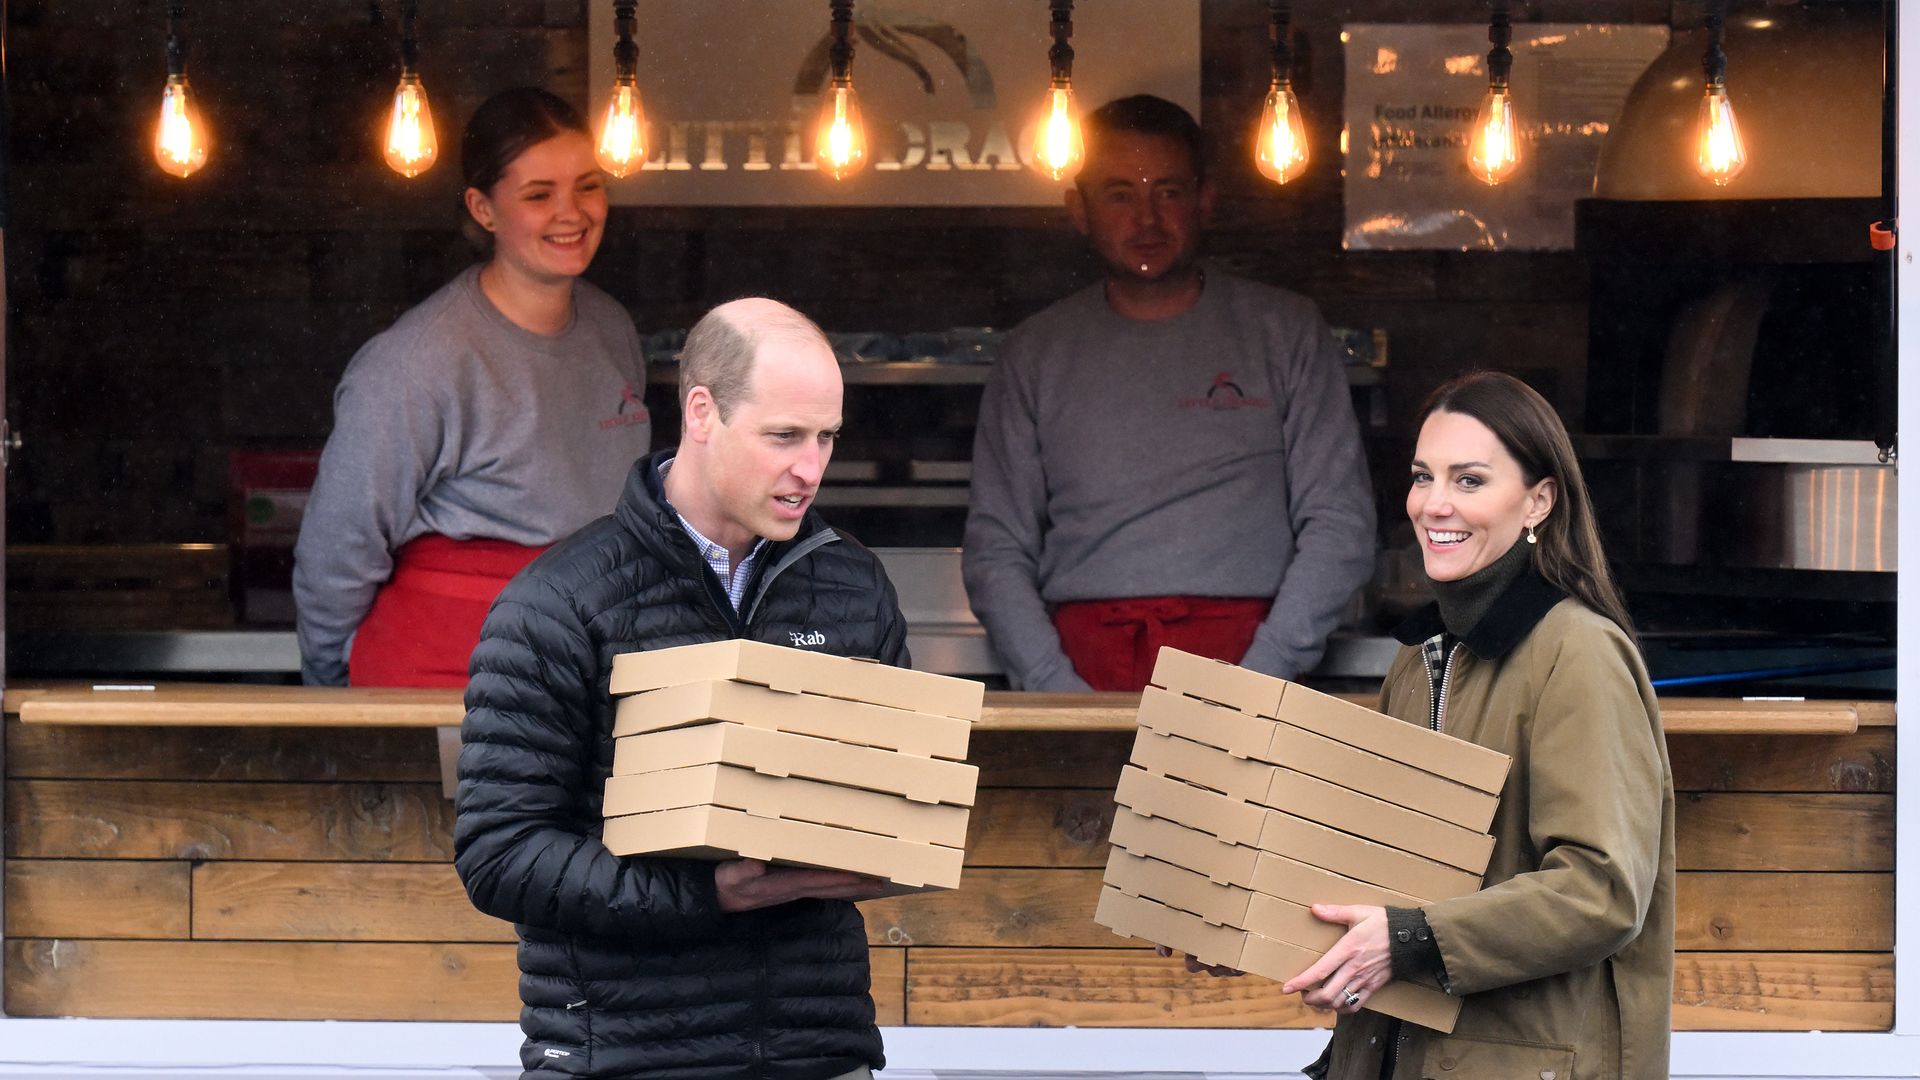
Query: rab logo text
(801, 640)
(551, 1052)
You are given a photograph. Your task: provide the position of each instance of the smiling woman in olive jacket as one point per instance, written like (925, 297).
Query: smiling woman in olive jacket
(1564, 958)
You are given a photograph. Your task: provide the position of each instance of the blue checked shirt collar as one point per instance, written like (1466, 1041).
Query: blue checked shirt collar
(733, 578)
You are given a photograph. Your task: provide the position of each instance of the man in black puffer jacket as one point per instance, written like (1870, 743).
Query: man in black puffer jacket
(656, 967)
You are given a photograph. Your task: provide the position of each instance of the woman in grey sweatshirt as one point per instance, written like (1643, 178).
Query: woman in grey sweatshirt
(496, 417)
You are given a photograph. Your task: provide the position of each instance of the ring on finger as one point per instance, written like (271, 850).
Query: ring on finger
(1352, 999)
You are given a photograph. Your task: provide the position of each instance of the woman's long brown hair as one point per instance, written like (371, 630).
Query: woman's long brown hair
(1569, 554)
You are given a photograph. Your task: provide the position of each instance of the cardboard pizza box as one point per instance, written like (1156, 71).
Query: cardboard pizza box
(688, 704)
(1296, 705)
(778, 753)
(1247, 825)
(716, 832)
(797, 671)
(1221, 862)
(1137, 875)
(786, 797)
(1376, 819)
(1139, 917)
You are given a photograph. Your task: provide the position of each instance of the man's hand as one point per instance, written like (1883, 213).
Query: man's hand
(746, 884)
(1218, 971)
(1355, 968)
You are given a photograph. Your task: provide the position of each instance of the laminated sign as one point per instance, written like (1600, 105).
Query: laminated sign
(1413, 94)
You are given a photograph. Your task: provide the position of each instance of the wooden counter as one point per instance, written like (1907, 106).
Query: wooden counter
(209, 704)
(231, 852)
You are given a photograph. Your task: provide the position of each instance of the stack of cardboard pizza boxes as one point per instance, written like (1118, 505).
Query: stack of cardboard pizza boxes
(1249, 798)
(743, 749)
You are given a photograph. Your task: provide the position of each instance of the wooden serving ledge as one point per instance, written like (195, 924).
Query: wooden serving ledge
(298, 865)
(226, 705)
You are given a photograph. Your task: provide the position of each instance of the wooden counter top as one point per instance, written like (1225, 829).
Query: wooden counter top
(211, 705)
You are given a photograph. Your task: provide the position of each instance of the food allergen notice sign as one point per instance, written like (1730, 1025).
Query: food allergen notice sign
(1413, 93)
(950, 89)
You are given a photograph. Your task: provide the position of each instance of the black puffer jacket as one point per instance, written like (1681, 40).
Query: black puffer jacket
(628, 967)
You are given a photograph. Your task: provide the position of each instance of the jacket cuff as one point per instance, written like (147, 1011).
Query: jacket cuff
(1410, 945)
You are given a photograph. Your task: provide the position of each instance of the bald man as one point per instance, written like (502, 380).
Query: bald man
(671, 968)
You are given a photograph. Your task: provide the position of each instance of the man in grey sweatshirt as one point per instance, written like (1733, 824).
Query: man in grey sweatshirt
(1162, 456)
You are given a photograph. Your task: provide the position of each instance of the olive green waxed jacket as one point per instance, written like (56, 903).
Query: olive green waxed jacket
(1565, 956)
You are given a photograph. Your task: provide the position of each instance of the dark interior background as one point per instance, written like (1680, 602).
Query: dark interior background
(158, 324)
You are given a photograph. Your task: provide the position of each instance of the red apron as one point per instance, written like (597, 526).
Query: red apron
(426, 619)
(1113, 643)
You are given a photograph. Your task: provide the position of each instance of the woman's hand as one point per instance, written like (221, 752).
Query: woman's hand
(1357, 966)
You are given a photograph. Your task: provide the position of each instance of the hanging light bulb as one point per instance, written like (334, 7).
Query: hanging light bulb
(1281, 151)
(840, 142)
(1280, 145)
(839, 134)
(411, 145)
(622, 148)
(1719, 153)
(622, 145)
(180, 139)
(1494, 152)
(1058, 144)
(1496, 141)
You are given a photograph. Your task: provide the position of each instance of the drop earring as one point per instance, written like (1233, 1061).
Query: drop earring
(1531, 539)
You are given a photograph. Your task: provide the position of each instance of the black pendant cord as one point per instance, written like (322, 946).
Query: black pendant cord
(176, 38)
(1060, 56)
(1280, 28)
(840, 56)
(1714, 63)
(1500, 57)
(409, 44)
(626, 55)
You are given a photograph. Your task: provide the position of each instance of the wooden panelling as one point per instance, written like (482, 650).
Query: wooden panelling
(889, 986)
(207, 980)
(1748, 831)
(1123, 987)
(157, 876)
(1049, 758)
(996, 908)
(1783, 991)
(1040, 711)
(62, 752)
(1135, 988)
(149, 820)
(1788, 912)
(275, 901)
(1861, 762)
(61, 898)
(1040, 827)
